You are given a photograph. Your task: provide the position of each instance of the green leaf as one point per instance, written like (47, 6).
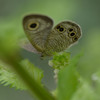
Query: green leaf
(68, 80)
(8, 77)
(33, 71)
(85, 92)
(96, 83)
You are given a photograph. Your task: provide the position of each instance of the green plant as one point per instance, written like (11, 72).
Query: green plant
(22, 74)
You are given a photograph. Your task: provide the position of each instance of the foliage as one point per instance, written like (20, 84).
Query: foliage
(23, 75)
(9, 54)
(8, 77)
(60, 60)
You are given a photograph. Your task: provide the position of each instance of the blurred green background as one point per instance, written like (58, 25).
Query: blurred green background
(85, 12)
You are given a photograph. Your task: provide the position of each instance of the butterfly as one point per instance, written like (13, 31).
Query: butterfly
(45, 39)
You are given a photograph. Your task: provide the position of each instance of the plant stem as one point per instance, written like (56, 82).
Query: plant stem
(33, 86)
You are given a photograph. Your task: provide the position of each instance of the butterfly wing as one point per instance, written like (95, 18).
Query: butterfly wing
(25, 44)
(37, 28)
(62, 36)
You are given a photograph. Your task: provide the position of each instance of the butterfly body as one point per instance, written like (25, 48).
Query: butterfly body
(46, 39)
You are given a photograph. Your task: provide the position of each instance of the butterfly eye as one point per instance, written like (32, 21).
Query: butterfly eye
(33, 25)
(61, 29)
(75, 39)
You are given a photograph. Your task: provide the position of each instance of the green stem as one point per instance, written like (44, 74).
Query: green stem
(33, 86)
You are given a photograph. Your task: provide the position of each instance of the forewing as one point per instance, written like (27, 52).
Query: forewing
(37, 29)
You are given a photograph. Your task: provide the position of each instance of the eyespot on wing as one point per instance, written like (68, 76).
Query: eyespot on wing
(36, 19)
